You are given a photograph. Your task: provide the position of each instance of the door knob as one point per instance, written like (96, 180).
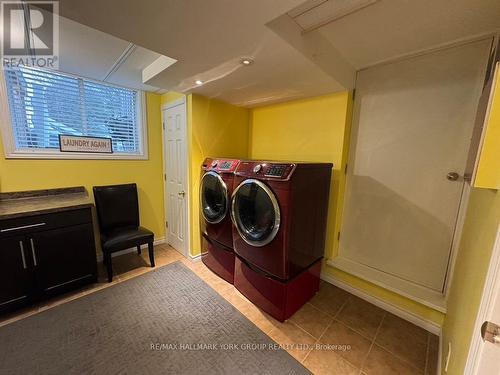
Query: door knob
(452, 176)
(490, 332)
(181, 193)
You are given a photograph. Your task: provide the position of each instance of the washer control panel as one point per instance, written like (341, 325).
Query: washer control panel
(265, 170)
(257, 168)
(276, 170)
(220, 165)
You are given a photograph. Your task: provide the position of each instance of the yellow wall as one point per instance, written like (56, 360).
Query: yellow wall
(16, 175)
(217, 129)
(480, 229)
(488, 171)
(307, 130)
(170, 97)
(318, 129)
(479, 232)
(315, 129)
(214, 129)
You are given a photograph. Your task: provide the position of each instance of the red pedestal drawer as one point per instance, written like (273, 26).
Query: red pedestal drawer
(218, 258)
(279, 299)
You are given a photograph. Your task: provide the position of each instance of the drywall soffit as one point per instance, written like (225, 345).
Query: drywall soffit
(317, 49)
(156, 67)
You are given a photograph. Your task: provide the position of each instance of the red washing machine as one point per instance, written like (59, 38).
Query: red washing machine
(216, 187)
(279, 212)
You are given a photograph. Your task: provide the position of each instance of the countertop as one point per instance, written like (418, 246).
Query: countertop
(37, 202)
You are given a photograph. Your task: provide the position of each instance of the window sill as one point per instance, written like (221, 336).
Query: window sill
(74, 156)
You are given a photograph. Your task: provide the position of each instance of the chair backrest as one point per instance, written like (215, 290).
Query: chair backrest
(117, 206)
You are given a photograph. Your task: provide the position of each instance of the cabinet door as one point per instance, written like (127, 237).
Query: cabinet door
(63, 257)
(15, 276)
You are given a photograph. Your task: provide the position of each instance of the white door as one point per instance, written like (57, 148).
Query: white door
(175, 156)
(413, 120)
(484, 353)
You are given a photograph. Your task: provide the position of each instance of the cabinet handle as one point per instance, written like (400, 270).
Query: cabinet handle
(21, 227)
(21, 246)
(33, 252)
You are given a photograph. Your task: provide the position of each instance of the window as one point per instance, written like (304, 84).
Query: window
(44, 104)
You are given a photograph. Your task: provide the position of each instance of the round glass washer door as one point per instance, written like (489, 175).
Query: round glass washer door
(255, 212)
(213, 198)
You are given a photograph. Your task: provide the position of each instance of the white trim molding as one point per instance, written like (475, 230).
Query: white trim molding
(490, 291)
(433, 299)
(9, 141)
(195, 258)
(181, 101)
(457, 236)
(426, 324)
(174, 103)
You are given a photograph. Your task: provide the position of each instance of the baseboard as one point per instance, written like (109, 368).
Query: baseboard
(195, 258)
(440, 354)
(425, 296)
(428, 325)
(159, 241)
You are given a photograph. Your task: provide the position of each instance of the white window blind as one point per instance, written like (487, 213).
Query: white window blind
(44, 104)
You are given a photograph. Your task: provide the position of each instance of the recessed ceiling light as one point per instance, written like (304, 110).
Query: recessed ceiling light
(247, 61)
(198, 82)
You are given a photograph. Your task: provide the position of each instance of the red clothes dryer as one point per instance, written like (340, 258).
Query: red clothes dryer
(279, 212)
(216, 187)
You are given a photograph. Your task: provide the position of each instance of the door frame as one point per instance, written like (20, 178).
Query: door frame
(437, 300)
(468, 182)
(490, 291)
(179, 102)
(457, 236)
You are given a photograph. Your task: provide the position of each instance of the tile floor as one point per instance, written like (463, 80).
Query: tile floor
(335, 333)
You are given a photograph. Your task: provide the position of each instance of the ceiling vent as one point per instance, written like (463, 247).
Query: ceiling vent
(316, 13)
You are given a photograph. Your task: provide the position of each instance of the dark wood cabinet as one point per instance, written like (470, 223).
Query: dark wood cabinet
(44, 255)
(63, 257)
(15, 276)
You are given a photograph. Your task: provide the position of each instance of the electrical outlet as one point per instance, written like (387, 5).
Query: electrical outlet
(447, 362)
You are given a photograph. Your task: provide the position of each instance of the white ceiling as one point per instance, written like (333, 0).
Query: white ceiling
(90, 53)
(316, 13)
(279, 72)
(209, 38)
(129, 73)
(392, 28)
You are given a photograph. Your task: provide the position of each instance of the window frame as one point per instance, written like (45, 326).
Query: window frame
(9, 142)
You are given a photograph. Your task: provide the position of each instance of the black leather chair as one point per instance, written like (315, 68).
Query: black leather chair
(118, 216)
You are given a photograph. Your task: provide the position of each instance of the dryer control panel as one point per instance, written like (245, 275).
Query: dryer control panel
(265, 170)
(220, 165)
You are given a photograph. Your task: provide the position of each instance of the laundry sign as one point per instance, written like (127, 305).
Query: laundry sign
(76, 143)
